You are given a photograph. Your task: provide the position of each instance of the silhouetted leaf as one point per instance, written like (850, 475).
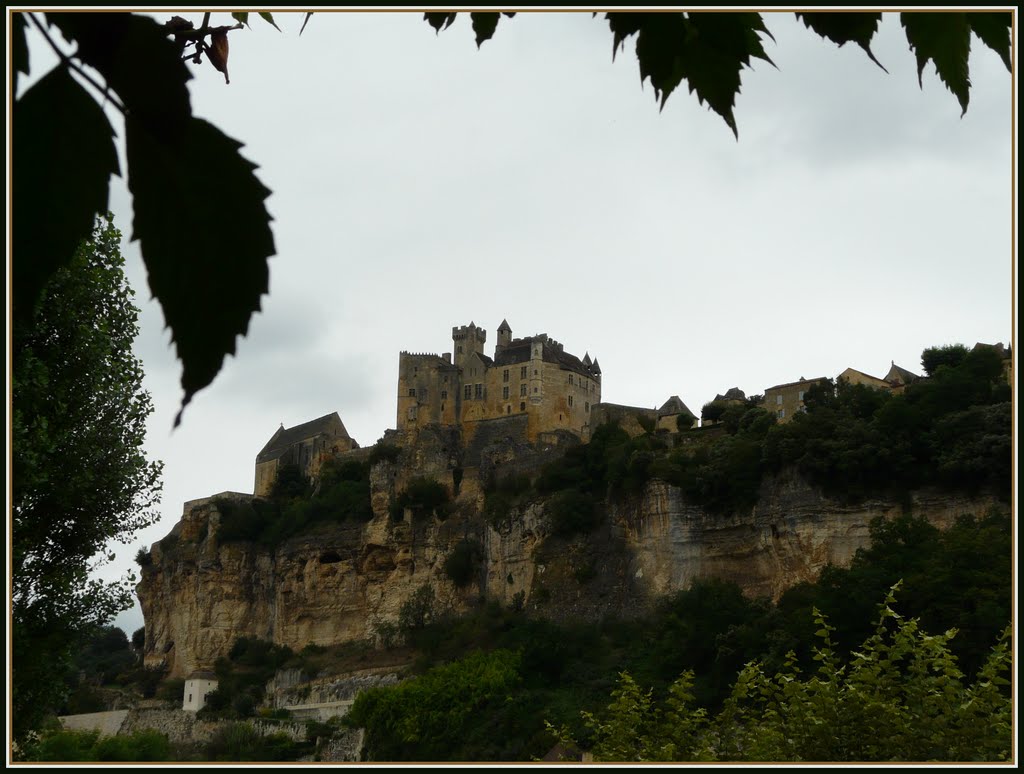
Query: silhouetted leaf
(205, 235)
(269, 18)
(242, 17)
(61, 178)
(708, 50)
(944, 38)
(439, 21)
(484, 25)
(138, 61)
(623, 25)
(305, 22)
(20, 49)
(842, 28)
(993, 29)
(659, 45)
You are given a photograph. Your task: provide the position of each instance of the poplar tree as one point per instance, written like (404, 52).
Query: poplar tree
(81, 480)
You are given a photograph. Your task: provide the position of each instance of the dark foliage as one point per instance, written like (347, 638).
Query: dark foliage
(462, 563)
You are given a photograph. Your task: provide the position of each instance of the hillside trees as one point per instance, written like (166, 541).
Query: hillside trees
(900, 697)
(80, 477)
(209, 288)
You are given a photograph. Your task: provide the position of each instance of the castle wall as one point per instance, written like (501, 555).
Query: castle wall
(428, 391)
(266, 475)
(473, 388)
(625, 416)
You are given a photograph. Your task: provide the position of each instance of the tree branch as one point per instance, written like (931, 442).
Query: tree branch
(71, 64)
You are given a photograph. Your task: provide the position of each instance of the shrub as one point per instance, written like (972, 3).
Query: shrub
(461, 563)
(571, 512)
(423, 496)
(171, 690)
(383, 452)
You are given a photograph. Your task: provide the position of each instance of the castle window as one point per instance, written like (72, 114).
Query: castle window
(479, 391)
(570, 400)
(468, 392)
(570, 378)
(504, 375)
(536, 390)
(459, 349)
(423, 393)
(522, 372)
(504, 393)
(778, 400)
(522, 407)
(522, 390)
(800, 395)
(444, 394)
(508, 409)
(586, 406)
(412, 392)
(781, 413)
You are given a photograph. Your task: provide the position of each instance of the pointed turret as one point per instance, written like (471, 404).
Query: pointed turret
(504, 337)
(586, 359)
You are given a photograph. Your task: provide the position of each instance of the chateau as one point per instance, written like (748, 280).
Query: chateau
(532, 377)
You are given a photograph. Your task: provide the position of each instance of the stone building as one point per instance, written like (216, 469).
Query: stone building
(533, 377)
(197, 687)
(787, 400)
(894, 381)
(304, 445)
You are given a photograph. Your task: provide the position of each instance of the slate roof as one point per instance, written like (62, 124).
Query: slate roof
(733, 393)
(905, 376)
(801, 380)
(674, 406)
(280, 441)
(519, 352)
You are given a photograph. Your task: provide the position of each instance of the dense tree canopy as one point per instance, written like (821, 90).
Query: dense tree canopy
(210, 287)
(80, 477)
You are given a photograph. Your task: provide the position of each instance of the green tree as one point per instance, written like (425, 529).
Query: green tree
(80, 477)
(900, 697)
(209, 287)
(950, 355)
(427, 718)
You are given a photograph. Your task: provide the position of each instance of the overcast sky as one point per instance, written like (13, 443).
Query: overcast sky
(419, 183)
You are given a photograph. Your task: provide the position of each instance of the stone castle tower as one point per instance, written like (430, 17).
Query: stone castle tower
(532, 381)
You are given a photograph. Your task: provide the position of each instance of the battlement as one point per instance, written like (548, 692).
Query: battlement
(471, 331)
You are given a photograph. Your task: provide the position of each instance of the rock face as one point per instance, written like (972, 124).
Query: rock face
(349, 581)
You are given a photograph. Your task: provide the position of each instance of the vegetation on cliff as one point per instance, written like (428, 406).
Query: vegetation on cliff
(342, 495)
(952, 430)
(957, 579)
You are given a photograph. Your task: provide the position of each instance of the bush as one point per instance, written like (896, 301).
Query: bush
(571, 512)
(171, 690)
(424, 496)
(242, 742)
(85, 746)
(461, 563)
(417, 611)
(383, 452)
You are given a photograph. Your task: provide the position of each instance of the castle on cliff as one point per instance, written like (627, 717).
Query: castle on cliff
(530, 389)
(532, 377)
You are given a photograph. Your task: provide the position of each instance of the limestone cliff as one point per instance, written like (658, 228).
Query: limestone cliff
(344, 582)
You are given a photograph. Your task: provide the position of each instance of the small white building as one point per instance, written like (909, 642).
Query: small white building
(198, 686)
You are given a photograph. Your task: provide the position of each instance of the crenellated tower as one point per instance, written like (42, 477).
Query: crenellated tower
(468, 339)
